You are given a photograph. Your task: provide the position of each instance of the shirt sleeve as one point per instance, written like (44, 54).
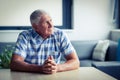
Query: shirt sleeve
(21, 45)
(66, 46)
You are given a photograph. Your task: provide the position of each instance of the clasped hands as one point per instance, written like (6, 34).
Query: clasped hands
(49, 66)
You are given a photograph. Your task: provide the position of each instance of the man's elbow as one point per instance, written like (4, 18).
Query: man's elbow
(77, 64)
(13, 66)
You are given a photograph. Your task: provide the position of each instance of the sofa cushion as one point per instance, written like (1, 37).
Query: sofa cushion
(84, 49)
(100, 50)
(111, 52)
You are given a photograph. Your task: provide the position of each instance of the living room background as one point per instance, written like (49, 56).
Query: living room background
(91, 19)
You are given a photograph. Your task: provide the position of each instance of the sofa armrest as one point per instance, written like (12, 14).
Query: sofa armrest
(112, 67)
(9, 45)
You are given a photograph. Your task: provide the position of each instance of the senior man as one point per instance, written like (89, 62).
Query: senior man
(40, 49)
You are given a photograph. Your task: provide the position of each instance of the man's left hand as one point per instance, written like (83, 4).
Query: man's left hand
(49, 66)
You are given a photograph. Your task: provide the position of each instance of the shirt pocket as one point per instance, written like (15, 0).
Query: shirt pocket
(56, 55)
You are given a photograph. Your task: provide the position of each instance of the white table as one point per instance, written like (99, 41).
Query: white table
(83, 73)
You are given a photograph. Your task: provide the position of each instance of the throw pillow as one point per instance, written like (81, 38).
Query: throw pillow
(118, 51)
(99, 52)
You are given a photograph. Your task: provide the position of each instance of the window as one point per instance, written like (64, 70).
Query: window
(67, 13)
(66, 18)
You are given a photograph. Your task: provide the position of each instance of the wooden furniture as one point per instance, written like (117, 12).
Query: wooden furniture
(83, 73)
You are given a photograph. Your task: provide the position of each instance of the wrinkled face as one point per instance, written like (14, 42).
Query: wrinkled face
(45, 26)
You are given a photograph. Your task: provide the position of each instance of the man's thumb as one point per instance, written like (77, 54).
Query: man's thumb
(51, 58)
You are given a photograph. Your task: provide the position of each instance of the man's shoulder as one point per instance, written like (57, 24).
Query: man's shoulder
(26, 32)
(58, 31)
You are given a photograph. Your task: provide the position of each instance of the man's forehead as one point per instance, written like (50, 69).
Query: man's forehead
(44, 17)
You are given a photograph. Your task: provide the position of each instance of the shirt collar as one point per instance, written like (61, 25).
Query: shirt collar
(36, 35)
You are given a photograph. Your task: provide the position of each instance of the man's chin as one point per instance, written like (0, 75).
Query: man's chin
(51, 31)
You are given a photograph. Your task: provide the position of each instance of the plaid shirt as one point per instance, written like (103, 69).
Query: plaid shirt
(35, 50)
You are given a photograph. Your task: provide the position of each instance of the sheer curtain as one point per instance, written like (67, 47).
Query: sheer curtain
(116, 16)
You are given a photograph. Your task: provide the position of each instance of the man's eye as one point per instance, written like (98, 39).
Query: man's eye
(50, 20)
(45, 22)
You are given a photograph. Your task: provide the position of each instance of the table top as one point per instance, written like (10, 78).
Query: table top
(83, 73)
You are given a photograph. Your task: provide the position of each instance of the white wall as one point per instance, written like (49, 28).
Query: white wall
(17, 12)
(92, 20)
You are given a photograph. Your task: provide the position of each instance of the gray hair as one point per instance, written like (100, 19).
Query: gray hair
(36, 16)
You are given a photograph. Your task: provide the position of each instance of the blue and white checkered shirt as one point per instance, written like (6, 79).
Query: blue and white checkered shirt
(36, 50)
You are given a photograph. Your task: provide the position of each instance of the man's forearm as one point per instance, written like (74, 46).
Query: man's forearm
(68, 65)
(25, 67)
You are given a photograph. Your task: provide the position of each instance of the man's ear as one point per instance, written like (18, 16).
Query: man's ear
(34, 26)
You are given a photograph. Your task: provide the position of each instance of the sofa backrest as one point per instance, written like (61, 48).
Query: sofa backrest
(84, 49)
